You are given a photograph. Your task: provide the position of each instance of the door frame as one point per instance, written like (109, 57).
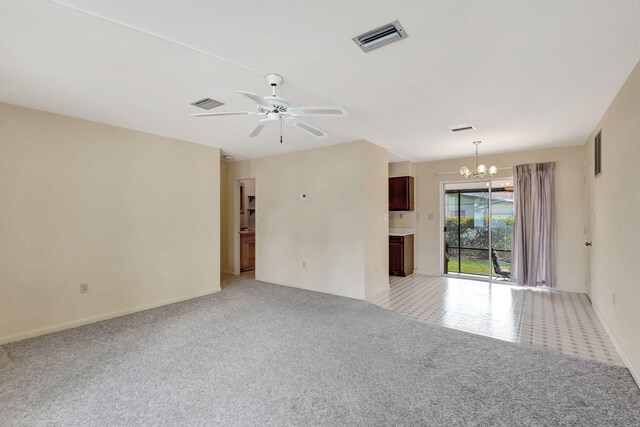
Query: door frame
(489, 278)
(236, 223)
(588, 221)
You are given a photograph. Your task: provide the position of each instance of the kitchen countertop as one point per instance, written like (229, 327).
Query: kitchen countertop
(401, 231)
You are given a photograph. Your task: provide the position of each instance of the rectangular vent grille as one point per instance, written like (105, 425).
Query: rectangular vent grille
(207, 103)
(463, 128)
(597, 154)
(381, 36)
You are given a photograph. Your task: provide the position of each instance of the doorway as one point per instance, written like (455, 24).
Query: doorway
(247, 225)
(478, 229)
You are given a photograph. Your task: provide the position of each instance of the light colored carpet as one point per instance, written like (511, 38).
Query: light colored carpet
(261, 354)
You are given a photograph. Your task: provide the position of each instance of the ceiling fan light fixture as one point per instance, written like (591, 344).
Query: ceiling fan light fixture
(274, 109)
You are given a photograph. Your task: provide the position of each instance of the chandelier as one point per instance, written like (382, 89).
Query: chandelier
(481, 172)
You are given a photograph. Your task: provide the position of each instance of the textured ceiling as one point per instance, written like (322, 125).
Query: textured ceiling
(526, 74)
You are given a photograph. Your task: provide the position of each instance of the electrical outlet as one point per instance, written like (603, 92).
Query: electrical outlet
(419, 215)
(84, 288)
(430, 216)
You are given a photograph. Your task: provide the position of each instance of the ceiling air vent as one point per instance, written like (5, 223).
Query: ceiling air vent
(207, 103)
(462, 128)
(381, 36)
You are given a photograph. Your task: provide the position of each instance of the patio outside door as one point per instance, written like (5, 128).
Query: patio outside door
(478, 216)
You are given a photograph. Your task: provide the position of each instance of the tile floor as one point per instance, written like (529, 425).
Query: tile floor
(551, 320)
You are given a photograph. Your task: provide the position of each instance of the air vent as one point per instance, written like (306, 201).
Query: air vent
(207, 103)
(597, 154)
(381, 36)
(462, 128)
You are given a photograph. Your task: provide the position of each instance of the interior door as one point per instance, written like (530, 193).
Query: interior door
(588, 218)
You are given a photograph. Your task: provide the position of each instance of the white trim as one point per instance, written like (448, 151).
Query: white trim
(574, 290)
(92, 319)
(617, 345)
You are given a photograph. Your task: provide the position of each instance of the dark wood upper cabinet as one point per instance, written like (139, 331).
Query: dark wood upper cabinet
(401, 193)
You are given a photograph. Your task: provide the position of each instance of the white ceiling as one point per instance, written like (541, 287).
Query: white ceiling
(527, 74)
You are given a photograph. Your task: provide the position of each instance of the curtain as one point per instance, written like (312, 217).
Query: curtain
(534, 240)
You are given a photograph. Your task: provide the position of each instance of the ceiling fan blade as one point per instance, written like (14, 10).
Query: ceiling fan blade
(258, 100)
(225, 113)
(258, 127)
(336, 111)
(307, 127)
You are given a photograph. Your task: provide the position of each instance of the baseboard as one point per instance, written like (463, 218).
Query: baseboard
(376, 292)
(575, 290)
(428, 273)
(228, 272)
(92, 319)
(617, 345)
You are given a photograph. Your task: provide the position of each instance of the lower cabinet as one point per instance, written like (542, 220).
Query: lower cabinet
(401, 255)
(247, 252)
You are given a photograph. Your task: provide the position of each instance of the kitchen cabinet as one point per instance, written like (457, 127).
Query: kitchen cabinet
(401, 189)
(247, 251)
(401, 255)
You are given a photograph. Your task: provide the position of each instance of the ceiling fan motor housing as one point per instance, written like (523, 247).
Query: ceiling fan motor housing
(273, 79)
(280, 104)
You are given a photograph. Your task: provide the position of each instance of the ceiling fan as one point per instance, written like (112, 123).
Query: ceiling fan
(278, 109)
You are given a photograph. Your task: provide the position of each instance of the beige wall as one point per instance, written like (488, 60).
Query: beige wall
(615, 232)
(134, 215)
(569, 187)
(376, 232)
(327, 232)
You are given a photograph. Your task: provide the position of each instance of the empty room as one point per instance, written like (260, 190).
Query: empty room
(319, 213)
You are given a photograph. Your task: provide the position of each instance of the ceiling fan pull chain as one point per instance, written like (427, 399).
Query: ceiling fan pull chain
(280, 130)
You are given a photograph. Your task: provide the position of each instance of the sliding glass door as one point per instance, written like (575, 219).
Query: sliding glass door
(478, 217)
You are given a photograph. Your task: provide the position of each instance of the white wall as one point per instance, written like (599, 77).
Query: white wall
(615, 232)
(569, 187)
(134, 215)
(327, 231)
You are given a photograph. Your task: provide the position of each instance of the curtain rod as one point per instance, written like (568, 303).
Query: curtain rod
(457, 172)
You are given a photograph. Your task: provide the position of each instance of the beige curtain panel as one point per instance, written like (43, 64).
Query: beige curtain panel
(534, 240)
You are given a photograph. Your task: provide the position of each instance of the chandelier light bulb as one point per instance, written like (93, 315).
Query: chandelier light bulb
(493, 170)
(464, 171)
(482, 168)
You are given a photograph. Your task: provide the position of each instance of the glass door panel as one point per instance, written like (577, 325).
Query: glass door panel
(502, 219)
(478, 231)
(467, 230)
